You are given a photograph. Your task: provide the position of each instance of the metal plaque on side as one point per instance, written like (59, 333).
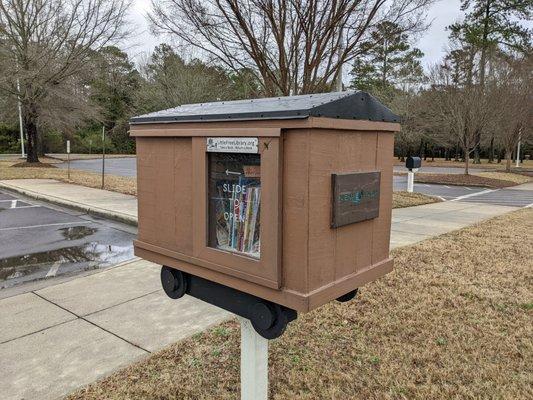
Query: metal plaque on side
(232, 145)
(355, 197)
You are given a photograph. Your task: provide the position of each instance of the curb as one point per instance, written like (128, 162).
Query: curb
(99, 212)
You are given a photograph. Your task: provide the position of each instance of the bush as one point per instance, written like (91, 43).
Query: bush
(9, 139)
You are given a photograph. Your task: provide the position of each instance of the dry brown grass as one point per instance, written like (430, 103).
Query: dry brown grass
(453, 321)
(74, 156)
(464, 180)
(505, 176)
(112, 182)
(406, 199)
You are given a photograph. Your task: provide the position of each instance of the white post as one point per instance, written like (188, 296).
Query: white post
(68, 159)
(20, 122)
(254, 363)
(518, 153)
(410, 181)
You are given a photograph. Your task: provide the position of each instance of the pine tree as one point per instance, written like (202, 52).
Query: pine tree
(491, 26)
(389, 63)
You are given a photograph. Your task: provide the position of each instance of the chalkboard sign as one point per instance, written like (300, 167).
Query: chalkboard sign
(355, 197)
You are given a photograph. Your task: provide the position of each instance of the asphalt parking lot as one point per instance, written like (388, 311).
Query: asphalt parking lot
(113, 166)
(39, 241)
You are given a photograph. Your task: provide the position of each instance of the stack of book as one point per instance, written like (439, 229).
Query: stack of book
(238, 219)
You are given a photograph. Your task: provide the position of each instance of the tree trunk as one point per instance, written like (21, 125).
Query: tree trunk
(30, 126)
(508, 156)
(491, 150)
(477, 158)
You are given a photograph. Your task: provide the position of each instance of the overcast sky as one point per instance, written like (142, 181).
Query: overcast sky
(432, 43)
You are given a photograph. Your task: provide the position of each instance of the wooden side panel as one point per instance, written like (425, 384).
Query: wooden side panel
(349, 153)
(183, 235)
(295, 210)
(382, 224)
(164, 192)
(146, 176)
(337, 253)
(322, 162)
(363, 239)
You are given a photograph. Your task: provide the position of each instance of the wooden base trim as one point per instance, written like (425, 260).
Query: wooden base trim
(350, 282)
(298, 301)
(205, 264)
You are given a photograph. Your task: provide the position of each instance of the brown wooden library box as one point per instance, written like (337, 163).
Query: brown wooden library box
(288, 199)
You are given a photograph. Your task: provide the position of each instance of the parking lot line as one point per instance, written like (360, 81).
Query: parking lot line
(474, 194)
(21, 207)
(40, 226)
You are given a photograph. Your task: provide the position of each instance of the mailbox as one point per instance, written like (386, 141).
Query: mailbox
(267, 207)
(413, 163)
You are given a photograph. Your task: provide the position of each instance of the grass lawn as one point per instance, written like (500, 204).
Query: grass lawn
(505, 176)
(485, 179)
(454, 320)
(112, 182)
(406, 199)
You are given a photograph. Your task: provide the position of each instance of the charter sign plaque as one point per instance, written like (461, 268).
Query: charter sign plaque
(355, 197)
(233, 145)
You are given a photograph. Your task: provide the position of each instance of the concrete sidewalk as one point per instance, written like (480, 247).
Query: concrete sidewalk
(117, 206)
(58, 338)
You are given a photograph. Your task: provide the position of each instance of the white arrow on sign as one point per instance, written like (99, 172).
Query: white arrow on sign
(232, 173)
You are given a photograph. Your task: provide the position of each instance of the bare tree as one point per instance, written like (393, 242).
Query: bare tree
(461, 110)
(293, 46)
(512, 84)
(45, 44)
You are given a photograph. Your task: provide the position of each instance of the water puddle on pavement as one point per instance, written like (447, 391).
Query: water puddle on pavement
(82, 257)
(77, 232)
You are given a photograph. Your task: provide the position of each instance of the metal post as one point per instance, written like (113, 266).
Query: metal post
(410, 181)
(103, 154)
(518, 152)
(20, 121)
(254, 363)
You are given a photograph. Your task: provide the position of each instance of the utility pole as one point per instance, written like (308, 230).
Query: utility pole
(103, 154)
(21, 127)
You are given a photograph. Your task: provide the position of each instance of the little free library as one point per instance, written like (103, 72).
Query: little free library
(267, 207)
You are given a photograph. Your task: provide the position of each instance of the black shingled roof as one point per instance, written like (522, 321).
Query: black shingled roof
(344, 105)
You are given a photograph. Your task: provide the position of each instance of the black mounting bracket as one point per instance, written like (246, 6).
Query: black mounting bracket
(268, 319)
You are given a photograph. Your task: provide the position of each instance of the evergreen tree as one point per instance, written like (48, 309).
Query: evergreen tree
(492, 24)
(114, 84)
(388, 63)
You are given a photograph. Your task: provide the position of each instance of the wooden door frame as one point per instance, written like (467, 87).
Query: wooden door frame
(266, 270)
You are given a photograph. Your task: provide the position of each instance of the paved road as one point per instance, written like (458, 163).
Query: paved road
(503, 197)
(40, 241)
(446, 192)
(113, 166)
